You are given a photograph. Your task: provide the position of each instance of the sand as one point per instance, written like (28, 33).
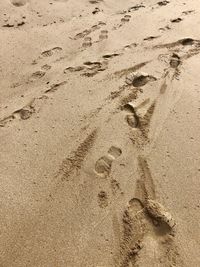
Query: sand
(99, 133)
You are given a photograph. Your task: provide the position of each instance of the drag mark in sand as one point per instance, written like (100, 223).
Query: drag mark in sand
(75, 161)
(55, 87)
(148, 228)
(127, 71)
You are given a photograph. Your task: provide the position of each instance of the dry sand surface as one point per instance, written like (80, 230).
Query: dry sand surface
(99, 133)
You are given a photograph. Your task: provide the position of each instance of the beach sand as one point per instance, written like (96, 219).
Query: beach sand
(99, 133)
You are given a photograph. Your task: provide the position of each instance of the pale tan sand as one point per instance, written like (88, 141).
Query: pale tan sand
(99, 136)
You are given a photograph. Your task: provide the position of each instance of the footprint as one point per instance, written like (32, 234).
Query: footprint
(110, 55)
(8, 25)
(184, 42)
(140, 120)
(95, 1)
(11, 21)
(82, 34)
(87, 42)
(166, 28)
(115, 186)
(18, 3)
(138, 79)
(103, 35)
(126, 18)
(38, 74)
(47, 53)
(95, 11)
(50, 52)
(175, 61)
(163, 3)
(46, 67)
(93, 68)
(73, 69)
(89, 69)
(23, 114)
(57, 49)
(132, 119)
(177, 20)
(88, 31)
(188, 12)
(187, 41)
(103, 199)
(130, 46)
(114, 151)
(95, 27)
(136, 7)
(103, 165)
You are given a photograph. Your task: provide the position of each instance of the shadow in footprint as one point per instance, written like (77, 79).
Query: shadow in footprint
(138, 79)
(18, 3)
(114, 151)
(103, 165)
(132, 119)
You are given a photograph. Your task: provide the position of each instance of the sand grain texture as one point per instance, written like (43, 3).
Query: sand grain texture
(99, 133)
